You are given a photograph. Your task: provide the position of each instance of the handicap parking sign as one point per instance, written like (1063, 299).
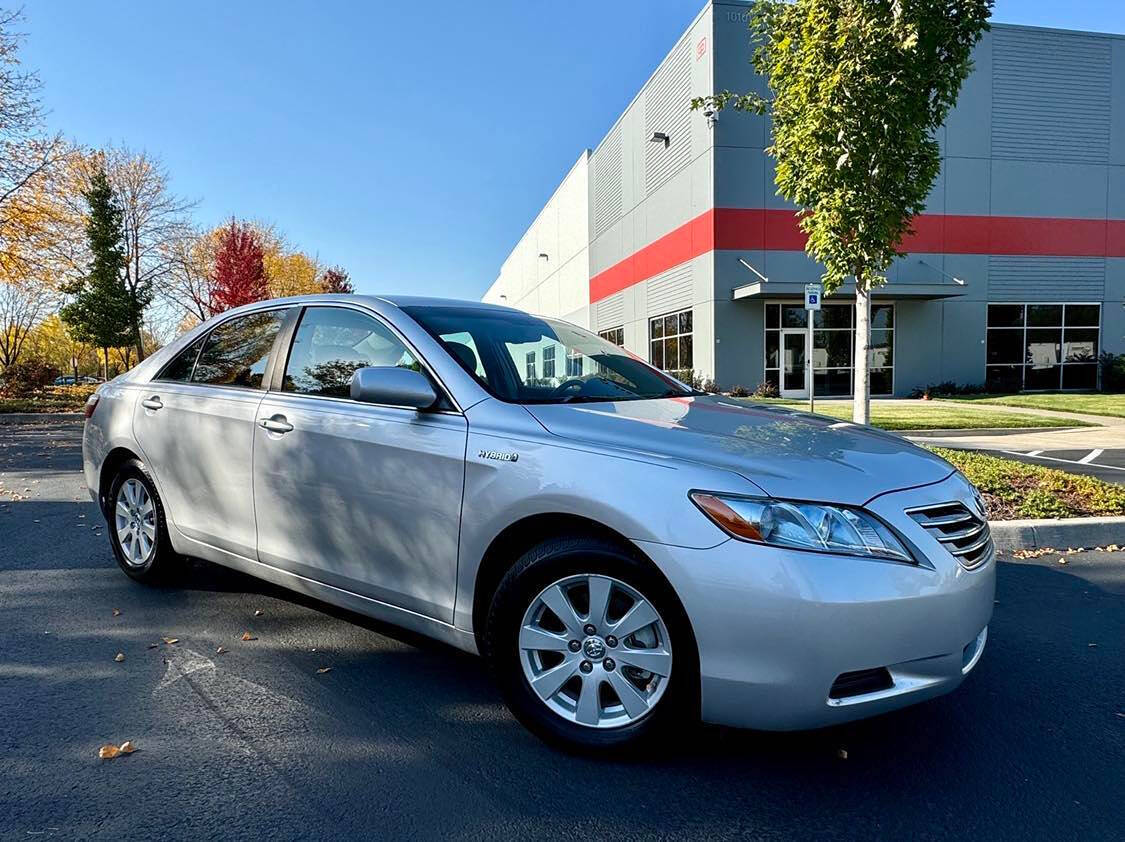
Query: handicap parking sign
(813, 294)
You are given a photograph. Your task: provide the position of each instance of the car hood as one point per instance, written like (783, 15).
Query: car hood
(786, 453)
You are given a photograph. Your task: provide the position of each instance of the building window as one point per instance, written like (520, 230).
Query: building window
(1042, 347)
(531, 376)
(670, 344)
(834, 346)
(574, 364)
(616, 335)
(549, 362)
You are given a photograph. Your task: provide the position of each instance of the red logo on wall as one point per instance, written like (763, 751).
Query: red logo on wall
(701, 48)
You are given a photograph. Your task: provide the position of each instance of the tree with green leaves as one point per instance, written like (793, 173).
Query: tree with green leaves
(103, 312)
(857, 90)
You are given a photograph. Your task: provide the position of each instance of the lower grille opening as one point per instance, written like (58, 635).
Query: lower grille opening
(857, 683)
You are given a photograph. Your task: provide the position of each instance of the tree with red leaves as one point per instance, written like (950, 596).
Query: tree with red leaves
(337, 280)
(240, 274)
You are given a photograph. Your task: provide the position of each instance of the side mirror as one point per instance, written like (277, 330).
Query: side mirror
(393, 386)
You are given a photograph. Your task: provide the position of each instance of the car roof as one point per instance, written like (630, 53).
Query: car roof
(427, 301)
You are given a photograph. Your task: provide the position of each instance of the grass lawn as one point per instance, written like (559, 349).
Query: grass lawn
(1093, 404)
(926, 415)
(1013, 490)
(49, 399)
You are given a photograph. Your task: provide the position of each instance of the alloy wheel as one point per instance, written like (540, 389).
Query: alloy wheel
(135, 522)
(595, 651)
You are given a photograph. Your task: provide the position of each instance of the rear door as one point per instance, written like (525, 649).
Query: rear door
(195, 424)
(361, 497)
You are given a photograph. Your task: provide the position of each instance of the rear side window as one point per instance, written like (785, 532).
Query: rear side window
(236, 352)
(331, 343)
(179, 370)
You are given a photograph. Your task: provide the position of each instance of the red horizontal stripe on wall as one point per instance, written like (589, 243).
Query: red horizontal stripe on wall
(767, 229)
(689, 240)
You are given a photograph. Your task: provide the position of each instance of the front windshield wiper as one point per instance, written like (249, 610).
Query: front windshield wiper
(595, 398)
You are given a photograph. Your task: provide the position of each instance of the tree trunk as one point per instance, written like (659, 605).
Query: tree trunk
(861, 403)
(105, 363)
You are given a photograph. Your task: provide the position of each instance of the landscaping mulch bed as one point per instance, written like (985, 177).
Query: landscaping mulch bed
(1015, 491)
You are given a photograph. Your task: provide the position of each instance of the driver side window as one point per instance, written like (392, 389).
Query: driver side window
(331, 343)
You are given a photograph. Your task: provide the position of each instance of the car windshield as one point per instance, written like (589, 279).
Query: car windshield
(526, 359)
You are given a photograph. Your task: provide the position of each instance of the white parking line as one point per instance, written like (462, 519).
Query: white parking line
(1089, 457)
(1064, 461)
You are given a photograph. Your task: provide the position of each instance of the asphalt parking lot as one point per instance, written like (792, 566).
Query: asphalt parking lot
(407, 738)
(1105, 464)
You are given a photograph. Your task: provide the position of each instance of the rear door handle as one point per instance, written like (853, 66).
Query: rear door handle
(275, 424)
(152, 403)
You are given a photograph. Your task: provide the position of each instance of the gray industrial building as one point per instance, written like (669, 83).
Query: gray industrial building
(1015, 276)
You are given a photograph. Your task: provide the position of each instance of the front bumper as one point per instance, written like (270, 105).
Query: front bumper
(776, 628)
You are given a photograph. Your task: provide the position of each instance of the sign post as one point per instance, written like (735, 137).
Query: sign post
(813, 294)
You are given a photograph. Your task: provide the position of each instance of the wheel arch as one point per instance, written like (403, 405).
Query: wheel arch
(518, 537)
(117, 457)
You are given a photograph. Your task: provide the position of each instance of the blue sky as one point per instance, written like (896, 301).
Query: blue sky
(411, 143)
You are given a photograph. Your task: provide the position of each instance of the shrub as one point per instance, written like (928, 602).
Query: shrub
(1113, 371)
(948, 388)
(24, 378)
(740, 392)
(766, 390)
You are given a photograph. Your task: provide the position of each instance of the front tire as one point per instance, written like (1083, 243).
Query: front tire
(138, 530)
(590, 647)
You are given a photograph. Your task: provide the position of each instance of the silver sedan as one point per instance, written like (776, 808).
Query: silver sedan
(627, 554)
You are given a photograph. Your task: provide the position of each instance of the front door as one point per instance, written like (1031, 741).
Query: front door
(361, 497)
(794, 371)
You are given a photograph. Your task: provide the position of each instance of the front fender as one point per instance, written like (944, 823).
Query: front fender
(644, 498)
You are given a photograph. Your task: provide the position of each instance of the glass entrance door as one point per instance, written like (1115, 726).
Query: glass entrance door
(794, 373)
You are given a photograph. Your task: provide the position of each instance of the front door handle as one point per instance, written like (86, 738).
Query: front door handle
(152, 403)
(275, 424)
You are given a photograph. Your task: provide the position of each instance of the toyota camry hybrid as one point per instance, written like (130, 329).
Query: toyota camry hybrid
(627, 554)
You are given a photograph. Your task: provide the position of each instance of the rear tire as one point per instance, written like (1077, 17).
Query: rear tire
(619, 684)
(138, 530)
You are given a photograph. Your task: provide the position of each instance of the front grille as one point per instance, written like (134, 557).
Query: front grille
(860, 682)
(963, 532)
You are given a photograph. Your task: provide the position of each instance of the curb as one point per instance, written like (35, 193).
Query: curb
(981, 431)
(31, 417)
(1010, 535)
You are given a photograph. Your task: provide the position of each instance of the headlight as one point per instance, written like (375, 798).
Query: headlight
(802, 526)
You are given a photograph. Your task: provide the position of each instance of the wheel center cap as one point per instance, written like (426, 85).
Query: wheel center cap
(594, 648)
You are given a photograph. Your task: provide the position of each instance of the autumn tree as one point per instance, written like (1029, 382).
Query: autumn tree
(239, 275)
(103, 312)
(23, 303)
(26, 155)
(52, 342)
(336, 280)
(153, 217)
(857, 90)
(189, 285)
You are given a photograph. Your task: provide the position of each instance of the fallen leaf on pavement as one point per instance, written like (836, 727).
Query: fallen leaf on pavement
(116, 612)
(842, 753)
(220, 651)
(171, 640)
(259, 613)
(153, 645)
(108, 752)
(323, 670)
(119, 657)
(127, 747)
(248, 636)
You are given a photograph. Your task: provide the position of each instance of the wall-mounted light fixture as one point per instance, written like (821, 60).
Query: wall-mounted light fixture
(712, 118)
(543, 256)
(954, 278)
(503, 298)
(744, 262)
(660, 137)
